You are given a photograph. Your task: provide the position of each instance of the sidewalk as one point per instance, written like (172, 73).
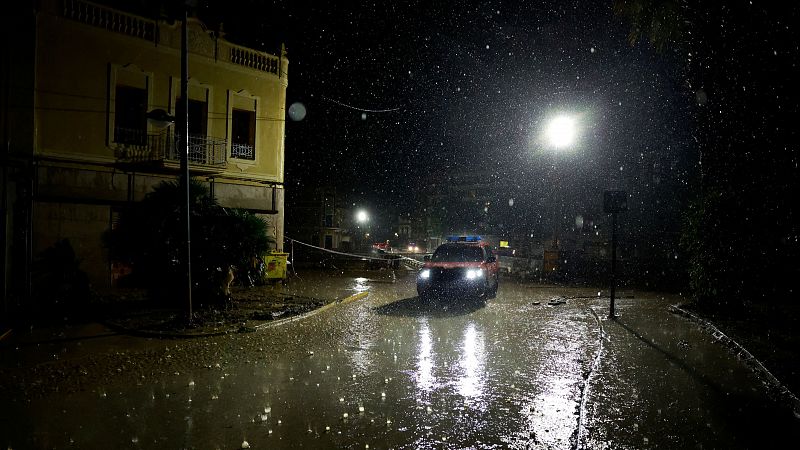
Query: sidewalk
(122, 326)
(249, 307)
(662, 381)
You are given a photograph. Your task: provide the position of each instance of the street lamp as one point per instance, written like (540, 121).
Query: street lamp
(183, 151)
(561, 132)
(362, 218)
(161, 119)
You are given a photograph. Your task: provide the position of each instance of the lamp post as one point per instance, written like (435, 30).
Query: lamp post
(614, 202)
(161, 119)
(362, 217)
(560, 134)
(183, 148)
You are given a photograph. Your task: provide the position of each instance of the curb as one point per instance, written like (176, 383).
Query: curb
(165, 335)
(580, 431)
(322, 308)
(741, 353)
(235, 330)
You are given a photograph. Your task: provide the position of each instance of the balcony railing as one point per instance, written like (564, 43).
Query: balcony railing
(110, 19)
(242, 151)
(203, 150)
(248, 57)
(117, 21)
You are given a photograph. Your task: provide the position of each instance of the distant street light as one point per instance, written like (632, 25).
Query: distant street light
(362, 216)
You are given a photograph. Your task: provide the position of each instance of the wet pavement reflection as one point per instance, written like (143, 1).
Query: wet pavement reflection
(394, 372)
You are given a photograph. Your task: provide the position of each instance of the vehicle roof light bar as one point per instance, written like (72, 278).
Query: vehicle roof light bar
(467, 238)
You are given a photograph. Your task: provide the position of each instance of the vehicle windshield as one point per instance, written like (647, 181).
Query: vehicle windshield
(458, 253)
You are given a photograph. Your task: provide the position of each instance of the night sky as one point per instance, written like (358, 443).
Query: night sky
(405, 93)
(400, 94)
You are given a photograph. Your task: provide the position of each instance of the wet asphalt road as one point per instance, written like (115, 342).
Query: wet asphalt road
(393, 372)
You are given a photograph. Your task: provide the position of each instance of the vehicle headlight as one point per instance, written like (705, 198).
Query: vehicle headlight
(474, 273)
(425, 274)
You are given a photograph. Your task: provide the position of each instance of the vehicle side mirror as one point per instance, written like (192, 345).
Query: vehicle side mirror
(491, 259)
(426, 258)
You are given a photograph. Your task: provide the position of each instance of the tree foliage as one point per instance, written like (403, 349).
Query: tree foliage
(149, 237)
(738, 59)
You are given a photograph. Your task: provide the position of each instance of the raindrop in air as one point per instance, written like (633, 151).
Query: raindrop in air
(297, 111)
(579, 222)
(701, 97)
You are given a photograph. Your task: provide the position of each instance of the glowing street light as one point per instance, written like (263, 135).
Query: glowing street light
(362, 216)
(561, 132)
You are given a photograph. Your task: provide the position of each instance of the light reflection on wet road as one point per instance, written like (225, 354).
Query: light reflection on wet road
(391, 372)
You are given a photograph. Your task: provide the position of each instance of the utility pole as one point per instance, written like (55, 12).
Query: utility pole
(611, 312)
(183, 148)
(613, 203)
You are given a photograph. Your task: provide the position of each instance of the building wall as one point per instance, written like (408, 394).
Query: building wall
(79, 65)
(78, 177)
(83, 226)
(16, 135)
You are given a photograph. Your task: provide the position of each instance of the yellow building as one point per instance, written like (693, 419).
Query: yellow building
(97, 73)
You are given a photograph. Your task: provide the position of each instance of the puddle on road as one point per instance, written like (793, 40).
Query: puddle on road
(474, 380)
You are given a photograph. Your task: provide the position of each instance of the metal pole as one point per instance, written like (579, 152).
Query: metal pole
(613, 262)
(183, 148)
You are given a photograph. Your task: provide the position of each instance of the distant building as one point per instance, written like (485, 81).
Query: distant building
(473, 203)
(320, 218)
(412, 233)
(78, 146)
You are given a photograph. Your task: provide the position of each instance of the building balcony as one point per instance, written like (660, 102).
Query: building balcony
(202, 41)
(242, 151)
(154, 150)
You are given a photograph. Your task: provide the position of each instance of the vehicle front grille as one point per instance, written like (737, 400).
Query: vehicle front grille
(447, 274)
